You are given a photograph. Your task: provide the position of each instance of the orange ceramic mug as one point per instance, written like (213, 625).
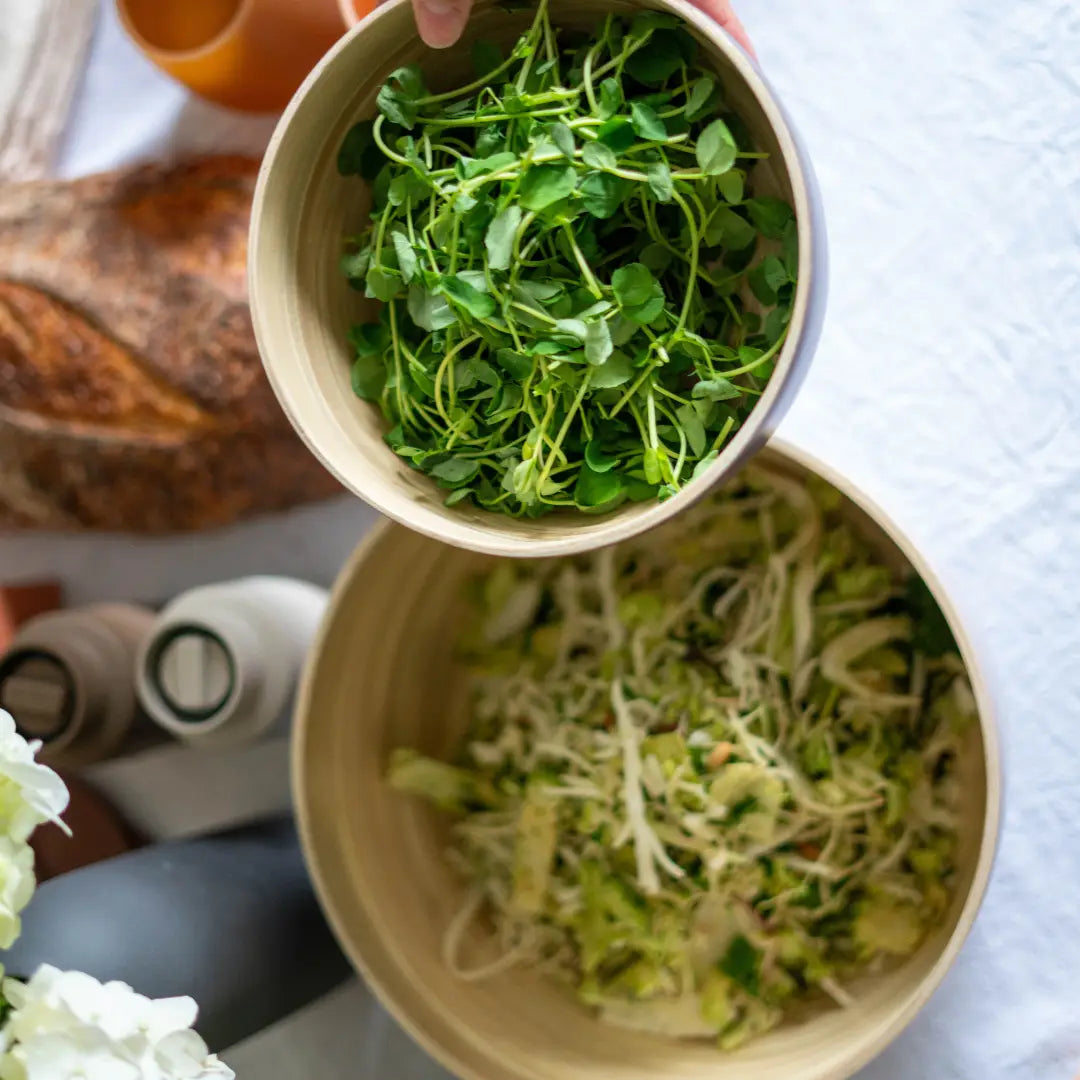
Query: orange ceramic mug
(247, 54)
(352, 11)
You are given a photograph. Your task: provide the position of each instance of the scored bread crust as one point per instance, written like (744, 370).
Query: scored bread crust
(132, 397)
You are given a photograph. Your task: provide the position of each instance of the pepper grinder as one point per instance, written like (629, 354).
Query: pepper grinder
(220, 666)
(67, 680)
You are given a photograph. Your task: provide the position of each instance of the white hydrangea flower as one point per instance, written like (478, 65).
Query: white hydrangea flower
(30, 793)
(68, 1026)
(17, 884)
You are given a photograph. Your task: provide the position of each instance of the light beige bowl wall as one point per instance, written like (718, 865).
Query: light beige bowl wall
(381, 676)
(302, 306)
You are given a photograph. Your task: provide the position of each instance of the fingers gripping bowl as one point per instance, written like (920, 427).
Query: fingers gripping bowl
(303, 306)
(379, 857)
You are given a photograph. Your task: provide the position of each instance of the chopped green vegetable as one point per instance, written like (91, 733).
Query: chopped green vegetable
(709, 771)
(576, 220)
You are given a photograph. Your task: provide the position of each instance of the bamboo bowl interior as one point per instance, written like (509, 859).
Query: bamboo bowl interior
(382, 676)
(302, 306)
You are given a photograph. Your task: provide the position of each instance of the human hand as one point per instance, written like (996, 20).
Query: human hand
(441, 21)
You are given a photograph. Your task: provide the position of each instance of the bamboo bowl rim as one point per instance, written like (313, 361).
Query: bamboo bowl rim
(340, 891)
(309, 387)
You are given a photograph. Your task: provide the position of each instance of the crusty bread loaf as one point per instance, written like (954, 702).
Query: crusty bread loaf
(131, 393)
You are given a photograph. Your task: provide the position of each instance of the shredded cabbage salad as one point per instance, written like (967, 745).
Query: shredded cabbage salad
(709, 773)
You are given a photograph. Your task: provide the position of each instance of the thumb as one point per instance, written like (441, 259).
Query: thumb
(441, 22)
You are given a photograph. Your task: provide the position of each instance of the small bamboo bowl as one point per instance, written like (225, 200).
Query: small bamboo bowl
(302, 306)
(382, 676)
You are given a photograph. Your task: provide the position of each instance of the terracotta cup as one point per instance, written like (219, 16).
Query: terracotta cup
(383, 675)
(246, 54)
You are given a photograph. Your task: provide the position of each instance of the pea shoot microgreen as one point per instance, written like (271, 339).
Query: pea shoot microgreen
(582, 297)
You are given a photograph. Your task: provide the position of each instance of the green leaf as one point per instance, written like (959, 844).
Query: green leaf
(543, 185)
(595, 489)
(597, 155)
(618, 133)
(931, 633)
(369, 339)
(716, 149)
(359, 154)
(516, 365)
(563, 137)
(692, 428)
(429, 310)
(741, 964)
(603, 193)
(473, 370)
(704, 464)
(406, 257)
(616, 370)
(486, 57)
(397, 95)
(699, 97)
(632, 285)
(597, 459)
(660, 181)
(458, 495)
(656, 257)
(762, 276)
(598, 346)
(611, 98)
(456, 471)
(368, 377)
(382, 284)
(729, 229)
(478, 304)
(732, 185)
(479, 166)
(774, 272)
(499, 239)
(656, 61)
(646, 123)
(770, 216)
(716, 389)
(354, 264)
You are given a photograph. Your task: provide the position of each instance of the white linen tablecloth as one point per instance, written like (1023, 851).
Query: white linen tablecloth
(946, 137)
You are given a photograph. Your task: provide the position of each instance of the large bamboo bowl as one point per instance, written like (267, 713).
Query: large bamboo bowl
(302, 306)
(382, 676)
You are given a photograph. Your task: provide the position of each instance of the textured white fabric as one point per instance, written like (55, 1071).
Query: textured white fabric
(946, 136)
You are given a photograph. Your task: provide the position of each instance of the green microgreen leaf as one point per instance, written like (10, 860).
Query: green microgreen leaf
(660, 182)
(597, 155)
(716, 149)
(563, 138)
(406, 256)
(618, 133)
(646, 123)
(499, 241)
(368, 377)
(476, 303)
(716, 389)
(543, 185)
(611, 98)
(660, 58)
(616, 370)
(603, 193)
(595, 489)
(456, 471)
(699, 97)
(770, 216)
(598, 346)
